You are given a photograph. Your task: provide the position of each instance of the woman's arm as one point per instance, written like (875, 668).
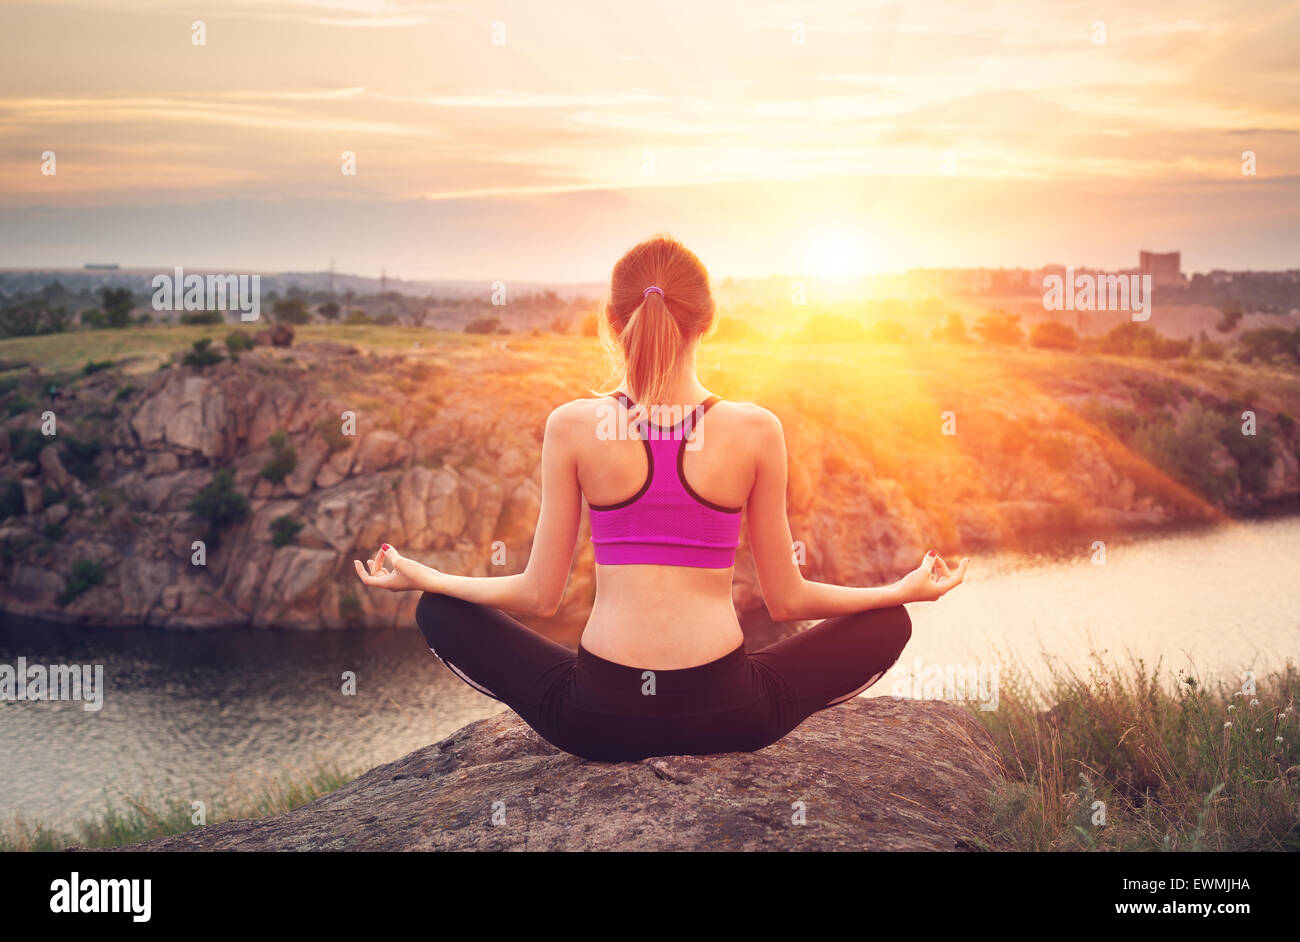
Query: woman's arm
(788, 595)
(539, 589)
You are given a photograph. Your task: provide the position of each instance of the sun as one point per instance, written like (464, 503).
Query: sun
(839, 251)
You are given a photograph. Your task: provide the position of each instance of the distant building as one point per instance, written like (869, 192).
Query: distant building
(1165, 268)
(92, 266)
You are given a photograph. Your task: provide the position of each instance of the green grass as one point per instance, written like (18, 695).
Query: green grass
(144, 348)
(1154, 750)
(142, 818)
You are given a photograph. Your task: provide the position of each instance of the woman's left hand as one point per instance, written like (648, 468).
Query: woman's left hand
(399, 579)
(932, 579)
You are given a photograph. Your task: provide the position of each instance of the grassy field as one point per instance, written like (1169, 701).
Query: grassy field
(1133, 760)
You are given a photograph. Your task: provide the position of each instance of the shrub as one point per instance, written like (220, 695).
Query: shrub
(1053, 335)
(291, 311)
(1231, 314)
(284, 530)
(1275, 345)
(953, 330)
(202, 318)
(284, 458)
(358, 316)
(219, 505)
(79, 457)
(123, 392)
(20, 405)
(1181, 449)
(483, 325)
(1211, 350)
(52, 532)
(25, 443)
(1142, 340)
(239, 341)
(85, 574)
(1253, 454)
(999, 327)
(201, 356)
(94, 366)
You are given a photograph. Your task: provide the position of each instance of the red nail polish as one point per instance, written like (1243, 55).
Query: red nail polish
(385, 547)
(931, 553)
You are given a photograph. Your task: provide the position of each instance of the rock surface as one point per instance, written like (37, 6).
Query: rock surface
(872, 774)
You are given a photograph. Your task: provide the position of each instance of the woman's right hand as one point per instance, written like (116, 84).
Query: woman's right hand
(398, 579)
(932, 579)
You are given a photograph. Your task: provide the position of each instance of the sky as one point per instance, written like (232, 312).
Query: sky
(539, 141)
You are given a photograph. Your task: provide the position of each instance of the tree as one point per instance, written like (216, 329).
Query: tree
(1053, 335)
(291, 311)
(329, 310)
(1232, 314)
(116, 304)
(999, 327)
(483, 325)
(953, 330)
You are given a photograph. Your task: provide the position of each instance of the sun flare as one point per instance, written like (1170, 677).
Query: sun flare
(839, 251)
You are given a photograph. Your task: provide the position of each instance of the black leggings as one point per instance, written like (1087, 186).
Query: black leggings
(598, 709)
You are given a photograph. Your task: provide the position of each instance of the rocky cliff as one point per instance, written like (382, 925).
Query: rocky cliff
(435, 449)
(878, 774)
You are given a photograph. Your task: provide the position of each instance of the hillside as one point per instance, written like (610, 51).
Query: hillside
(444, 461)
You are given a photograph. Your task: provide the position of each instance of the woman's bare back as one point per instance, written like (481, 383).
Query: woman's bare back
(659, 616)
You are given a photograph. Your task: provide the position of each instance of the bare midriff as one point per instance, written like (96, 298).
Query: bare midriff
(662, 617)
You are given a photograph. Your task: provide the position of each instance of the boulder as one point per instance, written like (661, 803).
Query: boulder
(32, 503)
(53, 471)
(381, 449)
(871, 774)
(278, 335)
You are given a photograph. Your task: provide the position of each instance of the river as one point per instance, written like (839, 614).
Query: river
(198, 713)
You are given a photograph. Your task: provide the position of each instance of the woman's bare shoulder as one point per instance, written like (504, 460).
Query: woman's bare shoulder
(749, 416)
(580, 415)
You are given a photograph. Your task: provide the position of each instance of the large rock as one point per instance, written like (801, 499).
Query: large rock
(192, 413)
(381, 449)
(879, 774)
(53, 471)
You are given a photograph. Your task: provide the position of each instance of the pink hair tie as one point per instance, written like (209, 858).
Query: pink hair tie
(657, 290)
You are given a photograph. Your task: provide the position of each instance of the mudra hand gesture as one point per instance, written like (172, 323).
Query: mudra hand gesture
(398, 579)
(932, 579)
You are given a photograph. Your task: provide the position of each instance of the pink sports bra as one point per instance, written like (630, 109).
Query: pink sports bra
(666, 522)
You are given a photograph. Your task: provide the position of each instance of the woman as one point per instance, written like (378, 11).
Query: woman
(661, 668)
